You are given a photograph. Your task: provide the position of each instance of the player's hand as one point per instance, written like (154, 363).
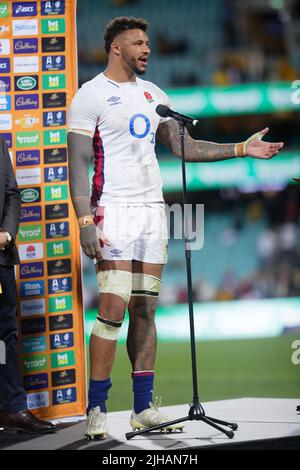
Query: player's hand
(89, 240)
(258, 149)
(3, 241)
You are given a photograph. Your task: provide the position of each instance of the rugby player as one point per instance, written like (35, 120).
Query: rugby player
(123, 223)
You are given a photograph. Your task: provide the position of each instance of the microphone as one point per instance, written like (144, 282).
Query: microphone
(164, 111)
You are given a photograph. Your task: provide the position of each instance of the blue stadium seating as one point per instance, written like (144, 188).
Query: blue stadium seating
(197, 21)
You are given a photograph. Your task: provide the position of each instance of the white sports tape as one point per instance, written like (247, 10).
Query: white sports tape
(256, 136)
(114, 281)
(105, 331)
(145, 284)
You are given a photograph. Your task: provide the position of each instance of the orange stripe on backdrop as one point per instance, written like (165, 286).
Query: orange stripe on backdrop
(39, 44)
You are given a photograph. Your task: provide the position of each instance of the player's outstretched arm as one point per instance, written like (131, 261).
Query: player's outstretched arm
(203, 151)
(80, 151)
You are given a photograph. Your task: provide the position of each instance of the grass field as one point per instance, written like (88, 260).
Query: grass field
(226, 369)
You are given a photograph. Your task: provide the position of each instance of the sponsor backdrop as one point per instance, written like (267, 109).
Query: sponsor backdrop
(38, 77)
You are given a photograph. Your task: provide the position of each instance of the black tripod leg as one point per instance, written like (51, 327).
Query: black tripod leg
(233, 426)
(229, 434)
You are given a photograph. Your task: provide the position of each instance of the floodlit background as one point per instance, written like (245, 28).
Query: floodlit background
(233, 65)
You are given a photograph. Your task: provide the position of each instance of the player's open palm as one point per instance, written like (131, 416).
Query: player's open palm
(257, 148)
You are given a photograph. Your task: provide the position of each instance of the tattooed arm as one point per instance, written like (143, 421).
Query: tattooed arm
(203, 151)
(195, 150)
(80, 149)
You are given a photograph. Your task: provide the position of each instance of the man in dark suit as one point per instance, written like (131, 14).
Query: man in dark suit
(14, 414)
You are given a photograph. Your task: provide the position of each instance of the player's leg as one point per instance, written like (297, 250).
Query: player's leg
(142, 342)
(113, 301)
(141, 339)
(150, 256)
(115, 281)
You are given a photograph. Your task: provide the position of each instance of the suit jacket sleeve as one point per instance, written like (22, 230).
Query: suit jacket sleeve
(12, 205)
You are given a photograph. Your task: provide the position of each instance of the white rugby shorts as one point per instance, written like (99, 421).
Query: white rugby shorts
(134, 232)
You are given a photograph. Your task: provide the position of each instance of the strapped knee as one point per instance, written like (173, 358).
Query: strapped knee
(106, 329)
(145, 285)
(116, 282)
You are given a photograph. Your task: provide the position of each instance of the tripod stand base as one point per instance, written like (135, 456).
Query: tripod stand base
(196, 413)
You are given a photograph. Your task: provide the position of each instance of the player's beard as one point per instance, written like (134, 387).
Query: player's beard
(132, 65)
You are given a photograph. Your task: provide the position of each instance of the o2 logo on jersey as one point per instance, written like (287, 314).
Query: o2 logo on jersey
(139, 127)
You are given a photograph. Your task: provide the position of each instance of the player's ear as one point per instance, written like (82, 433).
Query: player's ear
(115, 48)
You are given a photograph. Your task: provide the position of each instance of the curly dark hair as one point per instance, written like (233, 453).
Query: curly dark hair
(120, 24)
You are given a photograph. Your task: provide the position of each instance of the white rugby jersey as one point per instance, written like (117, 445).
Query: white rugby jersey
(125, 122)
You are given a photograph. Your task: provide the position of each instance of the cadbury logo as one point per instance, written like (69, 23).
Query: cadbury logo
(22, 101)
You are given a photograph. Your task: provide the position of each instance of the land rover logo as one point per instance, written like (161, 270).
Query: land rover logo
(29, 195)
(26, 83)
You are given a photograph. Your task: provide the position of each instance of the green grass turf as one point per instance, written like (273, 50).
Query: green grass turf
(226, 369)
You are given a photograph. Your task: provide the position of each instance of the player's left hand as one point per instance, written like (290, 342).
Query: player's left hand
(259, 149)
(3, 241)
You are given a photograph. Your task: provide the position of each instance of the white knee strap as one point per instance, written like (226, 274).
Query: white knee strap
(106, 329)
(114, 281)
(145, 284)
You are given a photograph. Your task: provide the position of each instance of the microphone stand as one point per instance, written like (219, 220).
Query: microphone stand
(196, 412)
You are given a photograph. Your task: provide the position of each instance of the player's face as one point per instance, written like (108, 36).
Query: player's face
(134, 48)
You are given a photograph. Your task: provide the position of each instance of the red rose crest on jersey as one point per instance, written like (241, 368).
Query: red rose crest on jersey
(148, 97)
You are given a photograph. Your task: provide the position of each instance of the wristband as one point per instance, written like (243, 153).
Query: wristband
(239, 150)
(86, 220)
